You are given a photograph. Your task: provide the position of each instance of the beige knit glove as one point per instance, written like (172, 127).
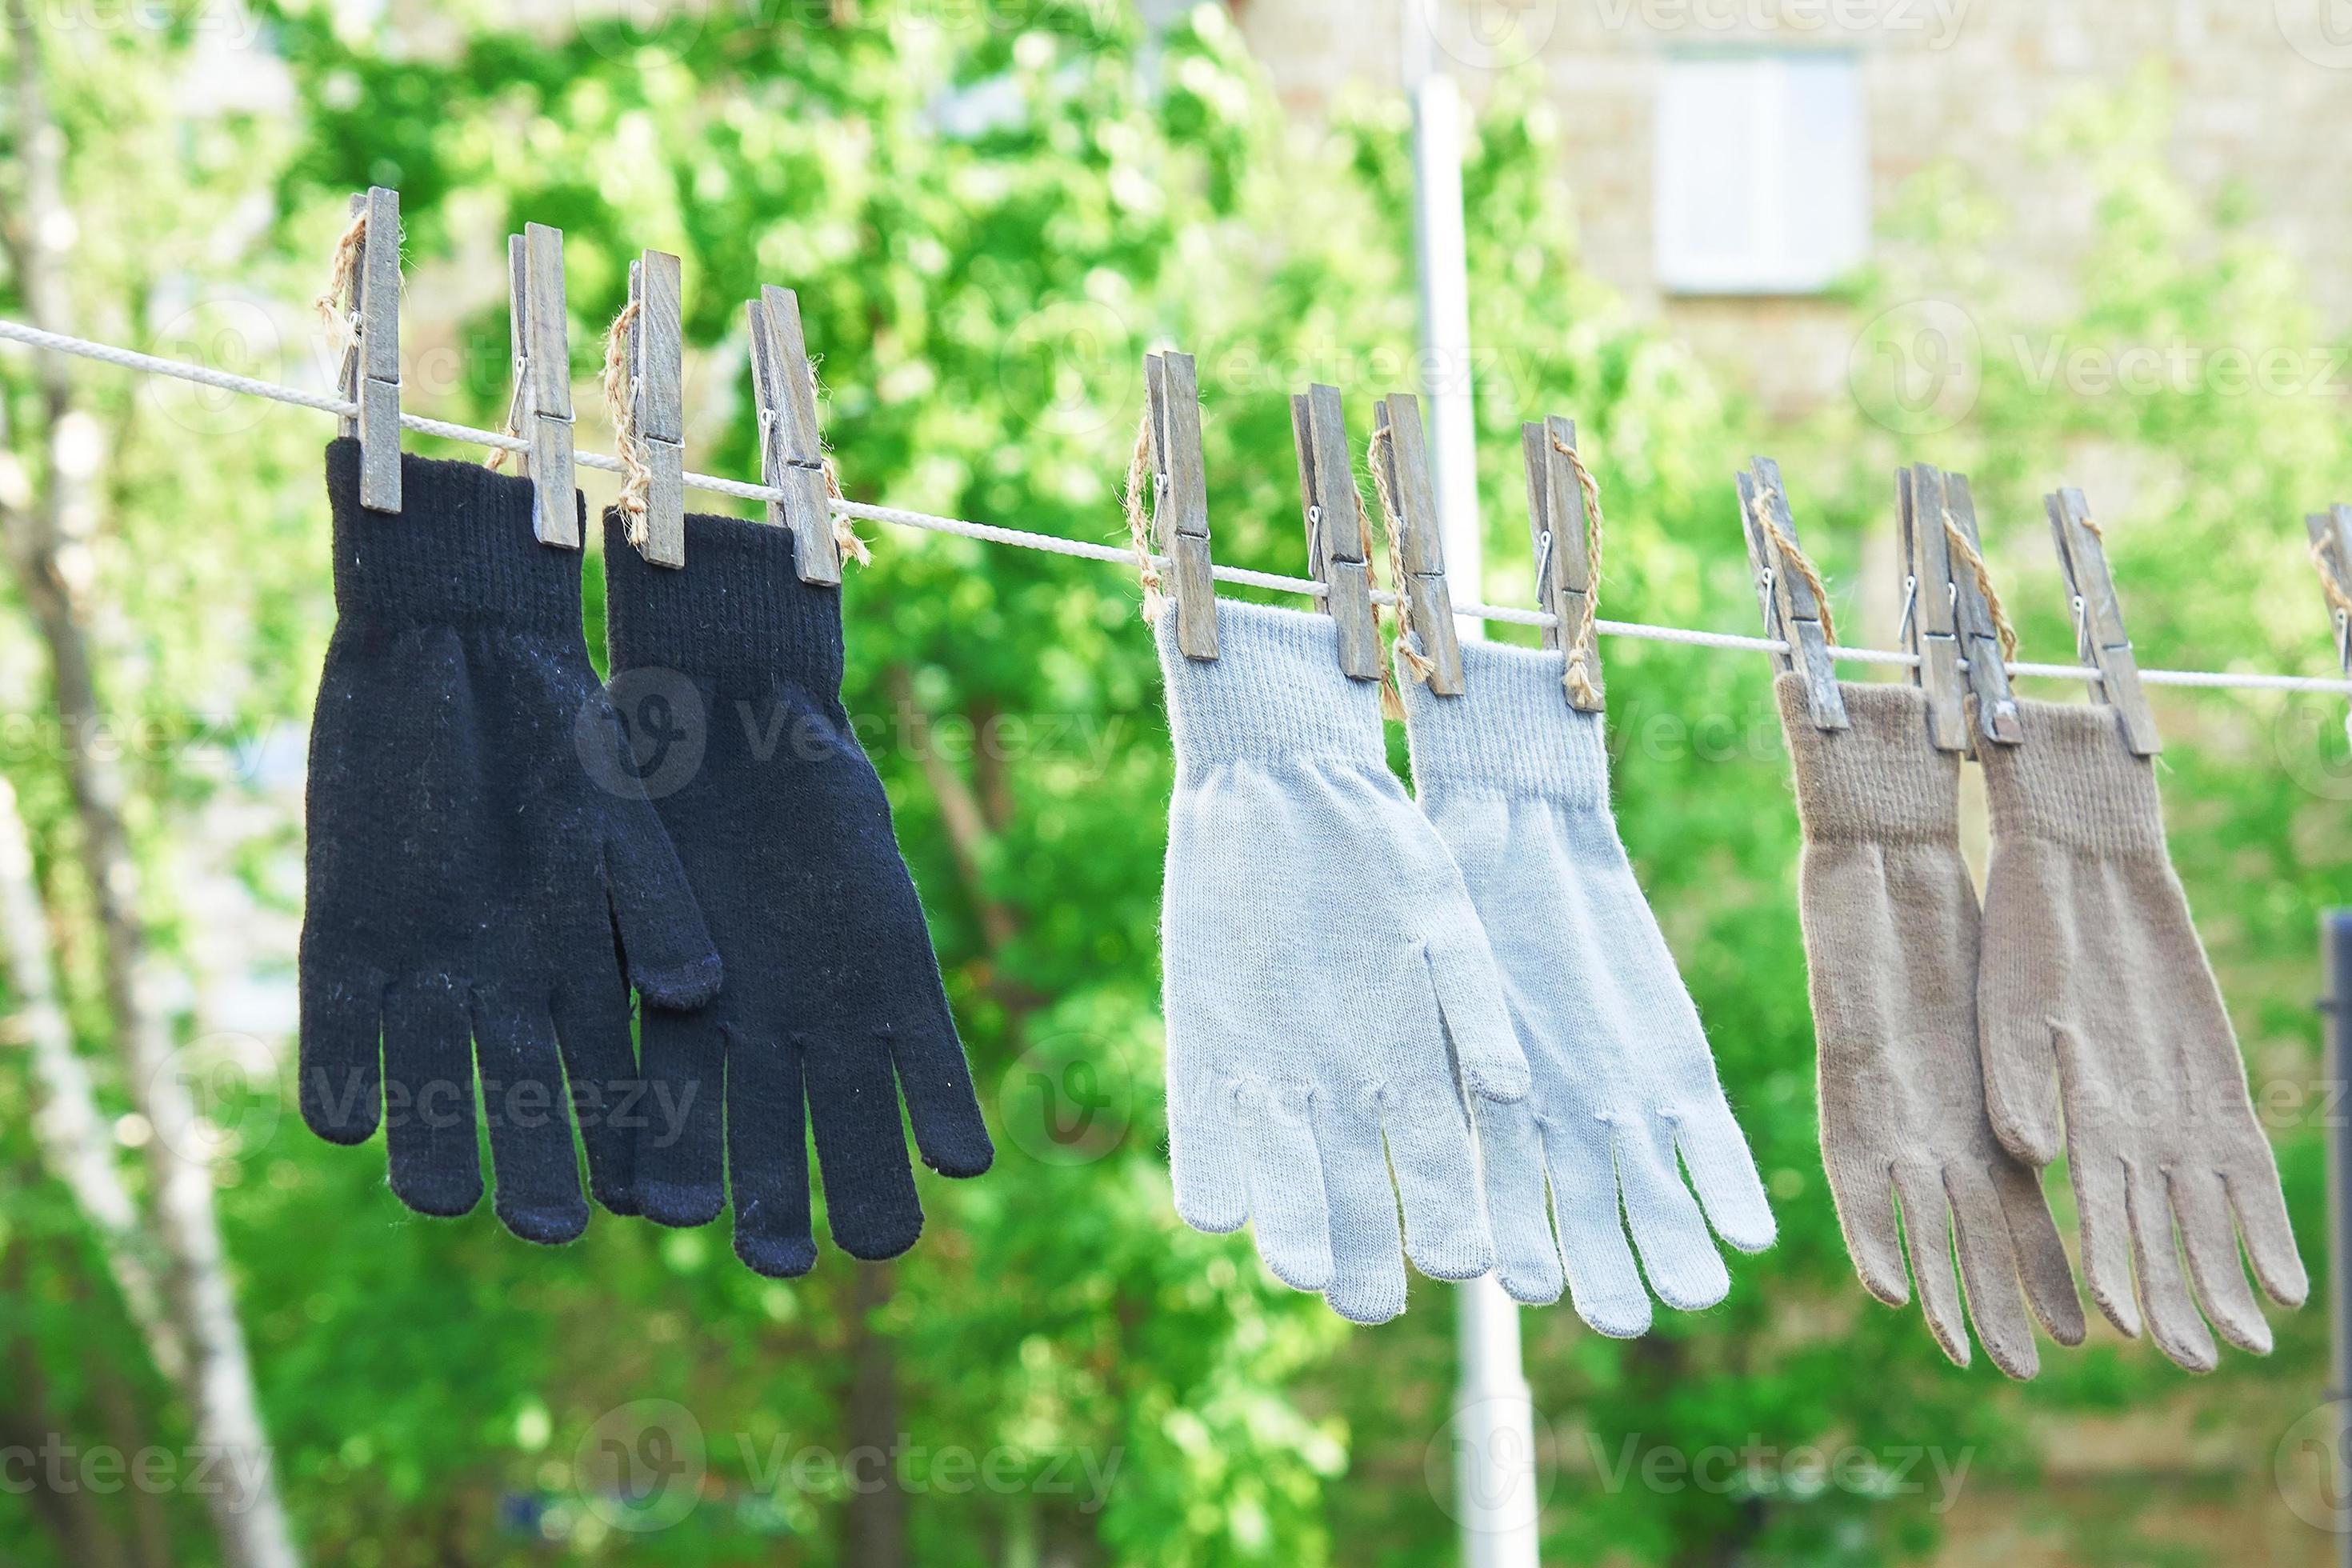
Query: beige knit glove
(1890, 925)
(2092, 970)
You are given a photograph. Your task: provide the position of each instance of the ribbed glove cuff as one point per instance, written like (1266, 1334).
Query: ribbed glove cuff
(1879, 782)
(2072, 782)
(736, 614)
(1511, 732)
(1274, 693)
(460, 551)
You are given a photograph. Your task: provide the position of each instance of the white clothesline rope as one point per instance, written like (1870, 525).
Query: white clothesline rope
(328, 403)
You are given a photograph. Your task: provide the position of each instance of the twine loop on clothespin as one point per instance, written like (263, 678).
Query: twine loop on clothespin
(2339, 598)
(1579, 641)
(844, 533)
(1392, 698)
(510, 426)
(636, 471)
(1957, 537)
(342, 278)
(852, 543)
(1798, 562)
(1140, 468)
(1408, 647)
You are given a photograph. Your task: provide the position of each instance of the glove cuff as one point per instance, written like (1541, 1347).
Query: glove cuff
(2072, 782)
(459, 551)
(1511, 732)
(1878, 782)
(736, 613)
(1275, 692)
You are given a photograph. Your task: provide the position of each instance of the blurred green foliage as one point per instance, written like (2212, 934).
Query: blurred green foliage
(989, 218)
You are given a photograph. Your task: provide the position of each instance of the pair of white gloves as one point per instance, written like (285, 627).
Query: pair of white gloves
(1459, 1003)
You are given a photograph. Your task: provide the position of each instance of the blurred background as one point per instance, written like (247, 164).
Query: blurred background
(2097, 242)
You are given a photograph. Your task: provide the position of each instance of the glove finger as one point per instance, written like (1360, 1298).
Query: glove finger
(1927, 1228)
(531, 1149)
(2040, 1256)
(2261, 1209)
(592, 1024)
(1602, 1283)
(1678, 1255)
(1205, 1152)
(429, 1127)
(941, 1106)
(340, 1055)
(2019, 993)
(1436, 1175)
(2102, 1218)
(1863, 1190)
(1368, 1284)
(1511, 1160)
(664, 943)
(680, 1139)
(767, 1157)
(1470, 999)
(1284, 1173)
(2201, 1210)
(2172, 1319)
(861, 1146)
(1715, 1151)
(1989, 1270)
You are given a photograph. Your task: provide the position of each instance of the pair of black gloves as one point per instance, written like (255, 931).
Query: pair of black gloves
(500, 849)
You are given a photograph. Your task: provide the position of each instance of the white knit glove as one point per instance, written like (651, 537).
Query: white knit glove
(1319, 950)
(1517, 783)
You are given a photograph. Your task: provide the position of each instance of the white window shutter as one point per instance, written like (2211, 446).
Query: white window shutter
(1762, 172)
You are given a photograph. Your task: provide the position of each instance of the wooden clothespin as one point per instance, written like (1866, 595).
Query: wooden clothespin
(1792, 613)
(370, 376)
(656, 396)
(792, 453)
(1981, 638)
(541, 413)
(1335, 533)
(1180, 498)
(1421, 548)
(1556, 523)
(2099, 619)
(2331, 552)
(1929, 630)
(1946, 615)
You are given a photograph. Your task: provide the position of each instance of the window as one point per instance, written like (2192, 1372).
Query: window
(1762, 172)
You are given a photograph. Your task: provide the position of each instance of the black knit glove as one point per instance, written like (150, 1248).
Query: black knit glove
(480, 874)
(728, 673)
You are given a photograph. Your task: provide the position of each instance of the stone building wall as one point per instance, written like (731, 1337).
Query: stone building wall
(2262, 92)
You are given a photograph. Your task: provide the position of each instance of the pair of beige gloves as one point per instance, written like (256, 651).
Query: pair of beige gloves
(1949, 1045)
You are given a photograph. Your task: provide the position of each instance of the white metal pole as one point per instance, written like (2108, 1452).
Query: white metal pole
(1493, 1414)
